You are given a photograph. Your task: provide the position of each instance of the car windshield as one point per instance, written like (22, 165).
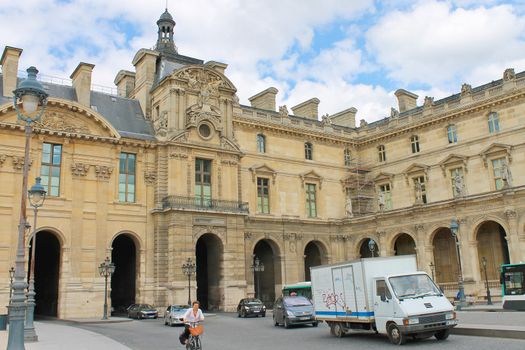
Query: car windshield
(180, 307)
(253, 302)
(297, 301)
(413, 286)
(146, 306)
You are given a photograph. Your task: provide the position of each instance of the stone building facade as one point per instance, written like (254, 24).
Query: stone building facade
(174, 167)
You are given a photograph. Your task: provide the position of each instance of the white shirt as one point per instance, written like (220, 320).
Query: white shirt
(190, 316)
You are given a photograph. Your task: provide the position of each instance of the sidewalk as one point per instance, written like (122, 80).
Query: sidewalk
(57, 336)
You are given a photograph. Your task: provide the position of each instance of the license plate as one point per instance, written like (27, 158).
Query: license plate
(256, 311)
(304, 318)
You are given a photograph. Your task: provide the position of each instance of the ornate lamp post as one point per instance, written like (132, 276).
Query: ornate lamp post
(31, 96)
(11, 275)
(372, 245)
(484, 263)
(106, 269)
(188, 268)
(432, 267)
(257, 267)
(454, 228)
(37, 196)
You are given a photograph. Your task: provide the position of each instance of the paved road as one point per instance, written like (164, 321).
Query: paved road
(226, 331)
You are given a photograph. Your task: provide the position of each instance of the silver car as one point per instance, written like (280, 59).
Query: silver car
(174, 315)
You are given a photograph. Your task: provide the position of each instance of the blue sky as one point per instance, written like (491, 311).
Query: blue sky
(347, 53)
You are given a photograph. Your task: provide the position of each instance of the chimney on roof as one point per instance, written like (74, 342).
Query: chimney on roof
(264, 99)
(125, 82)
(82, 82)
(345, 118)
(307, 109)
(406, 100)
(9, 62)
(217, 66)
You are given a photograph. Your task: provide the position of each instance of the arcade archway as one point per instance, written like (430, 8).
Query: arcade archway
(445, 256)
(270, 281)
(313, 256)
(209, 255)
(492, 245)
(404, 245)
(123, 281)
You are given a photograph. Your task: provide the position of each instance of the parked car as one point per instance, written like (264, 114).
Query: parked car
(292, 310)
(174, 314)
(140, 311)
(251, 306)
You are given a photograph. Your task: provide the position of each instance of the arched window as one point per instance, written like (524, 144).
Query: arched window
(381, 153)
(308, 150)
(348, 157)
(261, 143)
(493, 122)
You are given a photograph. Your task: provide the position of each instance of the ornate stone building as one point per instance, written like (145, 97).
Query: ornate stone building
(175, 168)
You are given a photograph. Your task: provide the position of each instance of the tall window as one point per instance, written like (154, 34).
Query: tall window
(203, 182)
(421, 190)
(348, 157)
(261, 143)
(497, 168)
(50, 173)
(385, 198)
(263, 199)
(308, 150)
(452, 133)
(382, 153)
(311, 208)
(493, 122)
(414, 140)
(458, 182)
(126, 179)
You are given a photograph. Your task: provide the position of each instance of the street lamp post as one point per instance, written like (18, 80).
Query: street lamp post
(257, 267)
(11, 275)
(372, 245)
(33, 99)
(106, 269)
(484, 263)
(432, 267)
(188, 268)
(37, 196)
(454, 228)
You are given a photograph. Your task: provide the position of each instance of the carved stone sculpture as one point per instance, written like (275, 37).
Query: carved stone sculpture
(326, 119)
(506, 175)
(381, 200)
(509, 74)
(348, 208)
(459, 186)
(466, 89)
(394, 113)
(283, 111)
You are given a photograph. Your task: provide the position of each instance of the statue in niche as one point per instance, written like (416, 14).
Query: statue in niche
(419, 191)
(459, 186)
(381, 200)
(506, 175)
(348, 207)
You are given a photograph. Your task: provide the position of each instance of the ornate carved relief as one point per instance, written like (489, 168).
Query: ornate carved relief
(61, 122)
(160, 124)
(248, 236)
(150, 176)
(200, 230)
(3, 157)
(510, 214)
(311, 176)
(283, 111)
(509, 74)
(18, 163)
(103, 172)
(79, 169)
(429, 102)
(179, 153)
(263, 170)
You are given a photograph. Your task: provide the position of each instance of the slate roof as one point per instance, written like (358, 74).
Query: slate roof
(123, 113)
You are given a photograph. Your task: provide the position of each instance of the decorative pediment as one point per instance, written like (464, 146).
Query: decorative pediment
(230, 145)
(416, 169)
(263, 170)
(495, 150)
(453, 160)
(311, 176)
(204, 79)
(384, 177)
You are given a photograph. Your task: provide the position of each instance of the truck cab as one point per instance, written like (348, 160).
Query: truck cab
(411, 305)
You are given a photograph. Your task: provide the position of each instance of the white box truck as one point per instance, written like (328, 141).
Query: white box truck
(386, 295)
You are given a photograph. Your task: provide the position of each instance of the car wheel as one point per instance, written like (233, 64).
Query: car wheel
(165, 321)
(442, 334)
(395, 335)
(243, 313)
(275, 323)
(337, 330)
(139, 316)
(286, 323)
(315, 324)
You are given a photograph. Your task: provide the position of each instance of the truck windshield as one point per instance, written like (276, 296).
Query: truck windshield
(413, 286)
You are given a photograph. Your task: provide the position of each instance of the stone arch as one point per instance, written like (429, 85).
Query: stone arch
(362, 247)
(59, 234)
(445, 256)
(125, 255)
(391, 242)
(478, 221)
(267, 283)
(135, 237)
(491, 239)
(434, 229)
(404, 244)
(209, 257)
(315, 254)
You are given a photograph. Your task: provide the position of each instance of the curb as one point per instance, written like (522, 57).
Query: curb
(487, 332)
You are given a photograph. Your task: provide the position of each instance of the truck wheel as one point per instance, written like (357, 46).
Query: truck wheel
(442, 334)
(315, 324)
(395, 335)
(337, 330)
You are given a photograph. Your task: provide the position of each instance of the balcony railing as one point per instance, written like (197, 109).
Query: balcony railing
(192, 203)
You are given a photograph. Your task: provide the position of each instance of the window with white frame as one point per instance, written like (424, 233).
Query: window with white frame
(385, 198)
(420, 189)
(414, 141)
(261, 143)
(497, 170)
(493, 122)
(50, 171)
(381, 153)
(311, 203)
(126, 185)
(203, 182)
(452, 133)
(263, 195)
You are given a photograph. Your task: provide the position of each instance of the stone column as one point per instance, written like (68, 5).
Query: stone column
(515, 242)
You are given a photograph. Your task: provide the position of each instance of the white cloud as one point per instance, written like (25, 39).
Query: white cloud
(434, 43)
